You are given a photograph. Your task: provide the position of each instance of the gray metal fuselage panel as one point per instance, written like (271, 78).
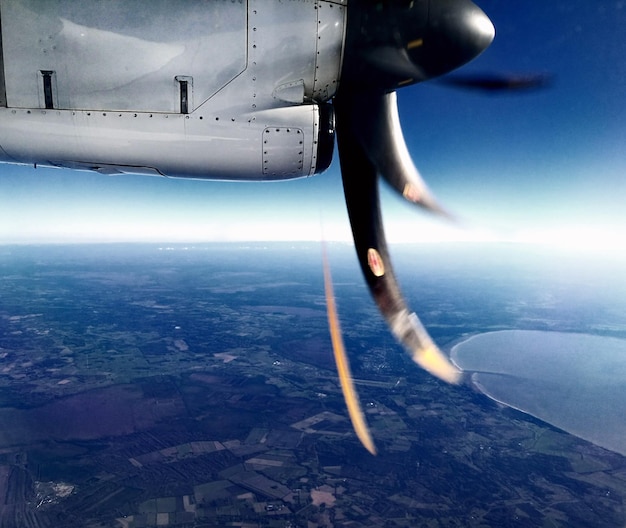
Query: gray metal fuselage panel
(174, 87)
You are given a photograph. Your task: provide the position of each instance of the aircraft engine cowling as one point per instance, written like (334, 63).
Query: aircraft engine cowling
(223, 90)
(275, 144)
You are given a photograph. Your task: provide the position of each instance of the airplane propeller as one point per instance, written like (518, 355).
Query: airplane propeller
(390, 45)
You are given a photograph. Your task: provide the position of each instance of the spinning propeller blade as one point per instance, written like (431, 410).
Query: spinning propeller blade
(498, 83)
(343, 365)
(378, 132)
(360, 182)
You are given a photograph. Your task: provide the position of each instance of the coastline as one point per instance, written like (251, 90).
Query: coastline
(609, 437)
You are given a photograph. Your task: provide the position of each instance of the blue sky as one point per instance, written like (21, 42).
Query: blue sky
(546, 165)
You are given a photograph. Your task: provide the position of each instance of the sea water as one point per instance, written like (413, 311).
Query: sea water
(576, 382)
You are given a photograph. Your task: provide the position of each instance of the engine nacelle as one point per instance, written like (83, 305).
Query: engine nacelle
(227, 89)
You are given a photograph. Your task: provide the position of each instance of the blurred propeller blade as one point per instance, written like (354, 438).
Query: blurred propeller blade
(379, 133)
(350, 395)
(360, 183)
(497, 83)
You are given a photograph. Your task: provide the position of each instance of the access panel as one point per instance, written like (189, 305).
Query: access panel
(126, 55)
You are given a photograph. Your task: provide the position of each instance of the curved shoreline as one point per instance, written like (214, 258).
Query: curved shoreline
(562, 414)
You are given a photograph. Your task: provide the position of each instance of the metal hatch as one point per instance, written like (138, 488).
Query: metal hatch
(120, 55)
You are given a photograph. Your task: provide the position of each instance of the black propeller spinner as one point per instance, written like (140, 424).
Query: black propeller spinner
(391, 44)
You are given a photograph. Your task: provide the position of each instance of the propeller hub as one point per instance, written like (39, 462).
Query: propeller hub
(399, 42)
(457, 32)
